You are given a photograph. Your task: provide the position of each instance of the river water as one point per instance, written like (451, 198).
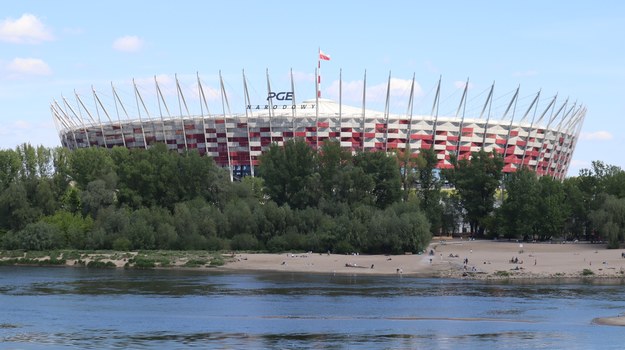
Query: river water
(79, 308)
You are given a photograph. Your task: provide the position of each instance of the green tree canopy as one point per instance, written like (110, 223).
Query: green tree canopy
(476, 181)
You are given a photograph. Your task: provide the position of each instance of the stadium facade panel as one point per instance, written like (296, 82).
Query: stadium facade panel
(541, 138)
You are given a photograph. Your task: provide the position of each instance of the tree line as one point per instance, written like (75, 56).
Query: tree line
(302, 199)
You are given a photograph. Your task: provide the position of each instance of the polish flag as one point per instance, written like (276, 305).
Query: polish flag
(323, 56)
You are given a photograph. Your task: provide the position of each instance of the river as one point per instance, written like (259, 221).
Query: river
(79, 308)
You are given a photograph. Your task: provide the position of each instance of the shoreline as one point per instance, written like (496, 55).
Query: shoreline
(444, 258)
(461, 259)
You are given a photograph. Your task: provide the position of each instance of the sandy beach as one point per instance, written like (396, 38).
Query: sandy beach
(456, 258)
(446, 258)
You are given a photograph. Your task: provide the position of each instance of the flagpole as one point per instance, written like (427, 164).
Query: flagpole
(319, 73)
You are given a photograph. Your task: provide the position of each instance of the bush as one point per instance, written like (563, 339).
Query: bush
(12, 253)
(52, 261)
(72, 255)
(164, 262)
(244, 242)
(502, 273)
(122, 244)
(195, 263)
(27, 261)
(142, 263)
(214, 243)
(217, 260)
(277, 244)
(587, 272)
(35, 236)
(101, 264)
(343, 247)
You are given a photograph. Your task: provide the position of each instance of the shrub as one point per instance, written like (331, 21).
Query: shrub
(244, 242)
(587, 272)
(122, 244)
(35, 236)
(164, 262)
(217, 260)
(214, 243)
(195, 263)
(277, 244)
(27, 261)
(502, 273)
(142, 263)
(52, 261)
(343, 247)
(100, 264)
(72, 255)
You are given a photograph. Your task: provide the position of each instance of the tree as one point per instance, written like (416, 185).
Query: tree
(28, 158)
(89, 164)
(10, 166)
(72, 227)
(398, 229)
(61, 174)
(609, 219)
(429, 191)
(383, 171)
(140, 231)
(108, 226)
(452, 214)
(34, 236)
(408, 170)
(96, 196)
(333, 161)
(519, 210)
(290, 174)
(577, 221)
(552, 209)
(476, 181)
(15, 209)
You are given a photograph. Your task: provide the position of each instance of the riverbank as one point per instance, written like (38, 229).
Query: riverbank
(456, 258)
(446, 258)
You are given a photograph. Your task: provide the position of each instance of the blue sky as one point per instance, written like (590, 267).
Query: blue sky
(574, 49)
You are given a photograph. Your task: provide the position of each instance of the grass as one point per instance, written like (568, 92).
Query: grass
(196, 263)
(28, 261)
(145, 259)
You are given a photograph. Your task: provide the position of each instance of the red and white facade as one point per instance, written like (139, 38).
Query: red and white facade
(541, 138)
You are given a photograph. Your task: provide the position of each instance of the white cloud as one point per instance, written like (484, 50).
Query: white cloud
(128, 43)
(27, 29)
(352, 90)
(596, 135)
(460, 84)
(27, 66)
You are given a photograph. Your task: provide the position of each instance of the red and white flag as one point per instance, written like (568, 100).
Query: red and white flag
(323, 56)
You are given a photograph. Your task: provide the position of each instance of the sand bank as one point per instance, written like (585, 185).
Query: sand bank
(456, 259)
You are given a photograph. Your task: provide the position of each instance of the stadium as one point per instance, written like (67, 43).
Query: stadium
(531, 131)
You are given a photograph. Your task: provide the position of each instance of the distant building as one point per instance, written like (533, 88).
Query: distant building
(538, 134)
